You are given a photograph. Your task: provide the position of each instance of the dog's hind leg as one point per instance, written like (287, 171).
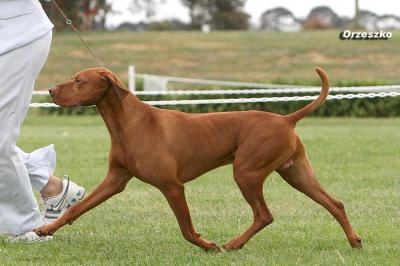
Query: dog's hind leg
(300, 175)
(175, 195)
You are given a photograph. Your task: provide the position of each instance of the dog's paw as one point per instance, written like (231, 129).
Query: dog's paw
(232, 245)
(212, 247)
(45, 230)
(356, 242)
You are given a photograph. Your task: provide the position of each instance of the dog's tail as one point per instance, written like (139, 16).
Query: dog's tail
(299, 114)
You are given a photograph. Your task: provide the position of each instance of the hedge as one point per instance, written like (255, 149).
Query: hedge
(376, 107)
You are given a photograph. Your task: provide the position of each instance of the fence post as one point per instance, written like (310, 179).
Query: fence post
(131, 78)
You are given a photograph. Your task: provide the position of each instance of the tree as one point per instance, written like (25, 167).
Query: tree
(69, 8)
(92, 14)
(221, 14)
(323, 17)
(198, 12)
(279, 19)
(84, 14)
(146, 6)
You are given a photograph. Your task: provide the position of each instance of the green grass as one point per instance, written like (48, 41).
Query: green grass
(244, 56)
(357, 160)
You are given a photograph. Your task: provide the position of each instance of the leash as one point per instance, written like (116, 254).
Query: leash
(69, 22)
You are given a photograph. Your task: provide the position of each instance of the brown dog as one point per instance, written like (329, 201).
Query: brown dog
(168, 148)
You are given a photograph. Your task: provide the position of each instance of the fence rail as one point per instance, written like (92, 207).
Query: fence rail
(251, 100)
(361, 89)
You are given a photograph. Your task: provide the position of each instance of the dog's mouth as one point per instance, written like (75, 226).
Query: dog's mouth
(66, 104)
(62, 102)
(54, 98)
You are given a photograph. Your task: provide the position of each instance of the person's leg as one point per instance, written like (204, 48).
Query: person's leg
(18, 208)
(57, 194)
(41, 164)
(19, 212)
(53, 187)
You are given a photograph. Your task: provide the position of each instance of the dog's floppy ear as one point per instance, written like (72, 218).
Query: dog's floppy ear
(118, 85)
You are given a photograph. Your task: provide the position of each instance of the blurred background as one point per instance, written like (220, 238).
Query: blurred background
(272, 15)
(278, 42)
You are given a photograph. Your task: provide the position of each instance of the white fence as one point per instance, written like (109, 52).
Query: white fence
(251, 88)
(251, 100)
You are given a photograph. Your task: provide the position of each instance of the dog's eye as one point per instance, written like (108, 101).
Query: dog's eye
(77, 80)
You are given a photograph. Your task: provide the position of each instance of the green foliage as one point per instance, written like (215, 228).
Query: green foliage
(161, 26)
(167, 25)
(222, 14)
(234, 20)
(378, 107)
(70, 9)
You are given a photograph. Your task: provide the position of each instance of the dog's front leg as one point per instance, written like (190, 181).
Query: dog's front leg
(175, 196)
(110, 186)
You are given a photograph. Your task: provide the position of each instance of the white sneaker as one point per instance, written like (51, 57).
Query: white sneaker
(55, 206)
(29, 237)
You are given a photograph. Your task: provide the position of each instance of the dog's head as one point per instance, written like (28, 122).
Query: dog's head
(87, 87)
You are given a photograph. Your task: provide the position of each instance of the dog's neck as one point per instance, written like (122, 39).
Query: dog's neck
(120, 114)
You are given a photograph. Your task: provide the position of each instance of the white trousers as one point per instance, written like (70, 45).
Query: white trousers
(19, 171)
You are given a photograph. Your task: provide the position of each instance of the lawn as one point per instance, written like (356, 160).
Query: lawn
(287, 58)
(357, 160)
